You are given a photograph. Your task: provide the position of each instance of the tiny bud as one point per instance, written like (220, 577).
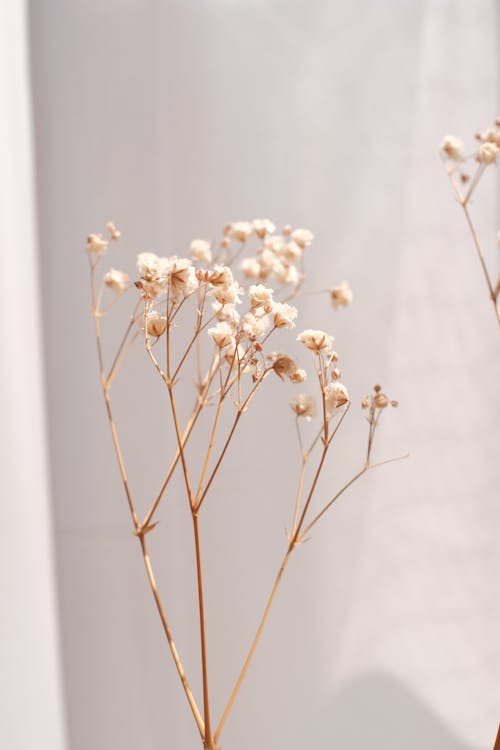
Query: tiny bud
(381, 401)
(377, 388)
(298, 376)
(335, 373)
(394, 404)
(114, 232)
(365, 403)
(225, 242)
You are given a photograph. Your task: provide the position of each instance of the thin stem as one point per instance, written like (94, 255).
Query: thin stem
(187, 432)
(133, 320)
(105, 392)
(254, 645)
(482, 261)
(346, 486)
(203, 638)
(237, 418)
(194, 708)
(140, 534)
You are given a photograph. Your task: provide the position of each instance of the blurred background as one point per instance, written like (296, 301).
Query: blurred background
(173, 118)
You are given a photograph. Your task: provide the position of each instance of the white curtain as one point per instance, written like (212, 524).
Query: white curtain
(30, 685)
(172, 119)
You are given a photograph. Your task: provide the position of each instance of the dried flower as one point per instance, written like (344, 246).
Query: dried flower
(284, 365)
(380, 400)
(303, 237)
(200, 250)
(298, 376)
(118, 281)
(487, 153)
(453, 147)
(240, 230)
(182, 277)
(254, 326)
(284, 315)
(316, 341)
(303, 405)
(261, 296)
(341, 296)
(114, 232)
(96, 244)
(155, 323)
(261, 227)
(251, 268)
(222, 334)
(336, 396)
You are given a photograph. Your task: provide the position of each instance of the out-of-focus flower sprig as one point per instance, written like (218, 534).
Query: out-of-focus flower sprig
(465, 171)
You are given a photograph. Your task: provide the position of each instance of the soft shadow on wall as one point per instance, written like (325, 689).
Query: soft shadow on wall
(375, 709)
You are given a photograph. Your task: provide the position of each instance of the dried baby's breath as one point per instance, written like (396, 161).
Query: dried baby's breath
(234, 306)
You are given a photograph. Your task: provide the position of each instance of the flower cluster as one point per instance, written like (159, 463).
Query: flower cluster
(453, 148)
(238, 316)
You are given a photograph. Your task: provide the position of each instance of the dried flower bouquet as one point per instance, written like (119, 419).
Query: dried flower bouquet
(230, 356)
(464, 185)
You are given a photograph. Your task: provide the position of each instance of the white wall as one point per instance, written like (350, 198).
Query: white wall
(172, 119)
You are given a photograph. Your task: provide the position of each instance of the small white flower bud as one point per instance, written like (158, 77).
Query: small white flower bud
(200, 250)
(96, 244)
(452, 147)
(341, 296)
(118, 281)
(487, 153)
(316, 341)
(303, 405)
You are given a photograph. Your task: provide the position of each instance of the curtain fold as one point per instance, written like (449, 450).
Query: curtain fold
(30, 685)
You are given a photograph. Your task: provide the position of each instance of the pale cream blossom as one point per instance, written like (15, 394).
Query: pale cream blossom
(182, 277)
(452, 147)
(260, 296)
(200, 250)
(221, 276)
(303, 405)
(261, 227)
(336, 396)
(96, 244)
(284, 315)
(316, 341)
(114, 232)
(222, 334)
(491, 135)
(303, 237)
(240, 230)
(254, 326)
(292, 251)
(227, 312)
(251, 268)
(283, 365)
(155, 323)
(487, 153)
(151, 266)
(118, 281)
(341, 295)
(298, 376)
(275, 243)
(228, 294)
(287, 273)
